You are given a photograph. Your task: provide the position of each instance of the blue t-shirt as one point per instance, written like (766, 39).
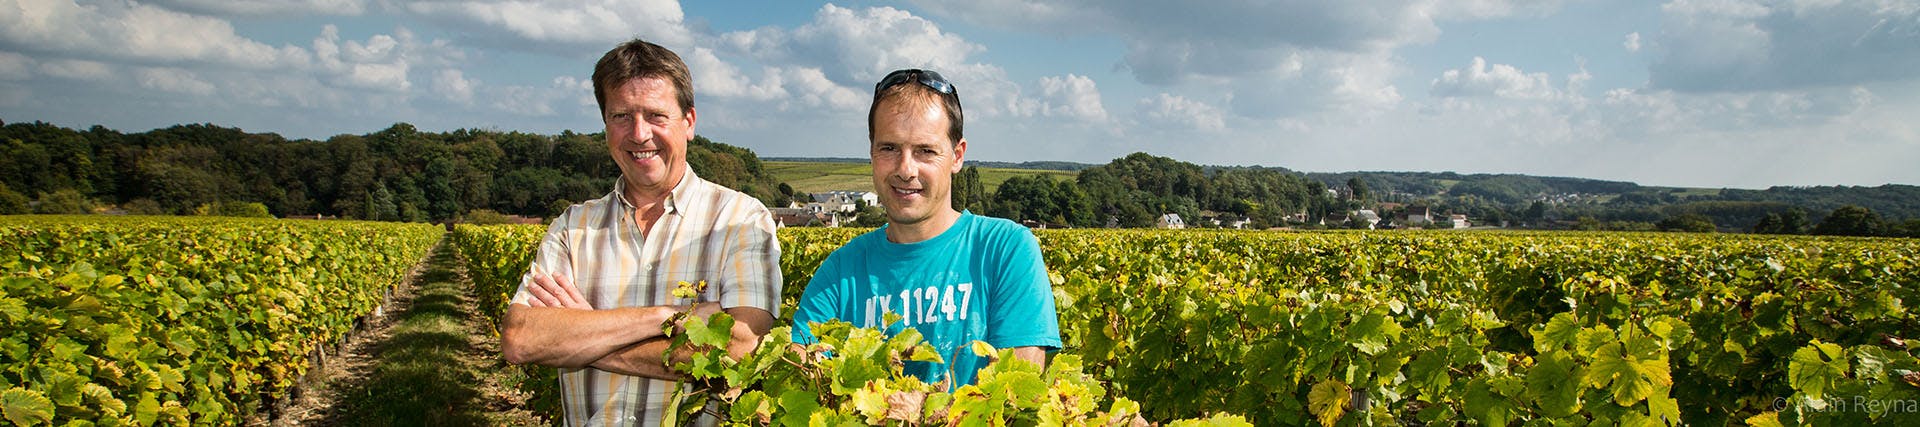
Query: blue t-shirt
(982, 279)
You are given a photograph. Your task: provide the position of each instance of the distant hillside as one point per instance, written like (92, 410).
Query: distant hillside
(1490, 198)
(401, 173)
(1504, 188)
(398, 173)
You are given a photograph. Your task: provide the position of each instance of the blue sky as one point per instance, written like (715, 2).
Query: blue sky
(1702, 93)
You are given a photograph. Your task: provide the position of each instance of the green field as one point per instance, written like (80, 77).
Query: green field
(813, 177)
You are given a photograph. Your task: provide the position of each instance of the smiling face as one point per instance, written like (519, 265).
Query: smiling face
(647, 136)
(913, 165)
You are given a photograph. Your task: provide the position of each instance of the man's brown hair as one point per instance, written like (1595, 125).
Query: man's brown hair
(909, 87)
(640, 59)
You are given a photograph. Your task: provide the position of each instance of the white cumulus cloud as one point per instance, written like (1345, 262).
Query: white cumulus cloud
(1305, 56)
(858, 46)
(134, 31)
(173, 80)
(716, 77)
(268, 7)
(574, 27)
(1072, 96)
(454, 85)
(1500, 80)
(1169, 108)
(852, 49)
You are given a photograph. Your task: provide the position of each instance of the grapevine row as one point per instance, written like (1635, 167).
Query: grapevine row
(179, 320)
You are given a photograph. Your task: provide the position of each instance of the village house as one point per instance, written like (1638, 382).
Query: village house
(1170, 221)
(1334, 220)
(845, 202)
(1224, 219)
(1368, 216)
(803, 217)
(1459, 221)
(1418, 215)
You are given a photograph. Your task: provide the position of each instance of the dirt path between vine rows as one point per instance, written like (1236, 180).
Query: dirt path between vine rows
(431, 359)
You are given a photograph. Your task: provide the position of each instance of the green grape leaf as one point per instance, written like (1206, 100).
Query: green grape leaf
(714, 332)
(61, 387)
(25, 407)
(871, 401)
(1591, 339)
(982, 349)
(1023, 386)
(798, 407)
(147, 410)
(1814, 368)
(13, 310)
(1871, 362)
(1428, 374)
(1328, 400)
(753, 407)
(1662, 408)
(1620, 373)
(1482, 404)
(1563, 330)
(1371, 333)
(1554, 384)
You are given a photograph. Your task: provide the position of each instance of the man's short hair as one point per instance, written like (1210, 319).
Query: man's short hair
(639, 59)
(914, 88)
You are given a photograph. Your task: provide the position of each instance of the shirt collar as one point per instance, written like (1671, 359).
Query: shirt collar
(680, 190)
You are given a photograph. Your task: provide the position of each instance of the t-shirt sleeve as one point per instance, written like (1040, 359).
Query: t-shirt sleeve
(751, 264)
(817, 301)
(553, 257)
(1021, 310)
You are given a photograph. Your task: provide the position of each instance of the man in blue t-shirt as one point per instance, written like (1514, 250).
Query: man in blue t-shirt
(954, 276)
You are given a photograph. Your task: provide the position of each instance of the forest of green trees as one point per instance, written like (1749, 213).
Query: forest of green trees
(398, 173)
(403, 174)
(1134, 191)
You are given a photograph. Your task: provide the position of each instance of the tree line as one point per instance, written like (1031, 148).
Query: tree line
(395, 174)
(403, 174)
(1137, 190)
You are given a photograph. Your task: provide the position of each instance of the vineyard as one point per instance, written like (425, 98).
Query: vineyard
(180, 320)
(1409, 328)
(1447, 328)
(150, 320)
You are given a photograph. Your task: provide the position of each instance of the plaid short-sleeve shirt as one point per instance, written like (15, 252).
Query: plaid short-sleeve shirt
(709, 232)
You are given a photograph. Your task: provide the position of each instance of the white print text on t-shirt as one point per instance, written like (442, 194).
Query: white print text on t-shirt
(921, 305)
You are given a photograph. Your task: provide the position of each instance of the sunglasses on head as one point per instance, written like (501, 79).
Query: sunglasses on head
(930, 79)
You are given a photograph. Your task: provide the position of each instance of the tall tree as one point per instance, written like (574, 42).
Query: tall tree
(1850, 221)
(1358, 188)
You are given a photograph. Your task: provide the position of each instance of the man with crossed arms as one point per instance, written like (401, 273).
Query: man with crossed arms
(601, 286)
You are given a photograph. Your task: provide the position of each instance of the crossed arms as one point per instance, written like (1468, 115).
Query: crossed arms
(558, 327)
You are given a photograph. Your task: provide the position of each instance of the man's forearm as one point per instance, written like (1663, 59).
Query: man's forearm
(572, 338)
(641, 360)
(1035, 355)
(645, 358)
